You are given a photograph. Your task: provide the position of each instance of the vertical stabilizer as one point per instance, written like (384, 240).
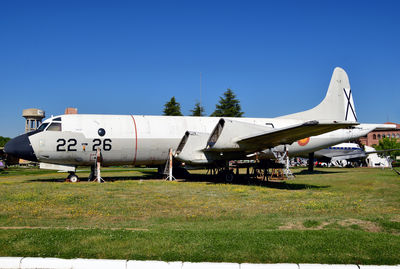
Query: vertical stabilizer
(337, 105)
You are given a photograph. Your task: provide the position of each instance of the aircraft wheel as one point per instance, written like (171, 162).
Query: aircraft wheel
(73, 178)
(229, 177)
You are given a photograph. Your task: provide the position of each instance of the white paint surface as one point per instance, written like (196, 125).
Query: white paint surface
(55, 263)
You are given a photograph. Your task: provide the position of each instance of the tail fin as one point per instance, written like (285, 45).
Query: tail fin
(337, 105)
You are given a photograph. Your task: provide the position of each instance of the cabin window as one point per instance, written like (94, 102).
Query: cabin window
(57, 119)
(42, 127)
(55, 126)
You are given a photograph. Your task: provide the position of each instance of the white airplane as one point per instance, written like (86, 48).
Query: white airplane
(341, 154)
(374, 160)
(66, 141)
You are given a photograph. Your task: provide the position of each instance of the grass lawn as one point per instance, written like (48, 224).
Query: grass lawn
(332, 216)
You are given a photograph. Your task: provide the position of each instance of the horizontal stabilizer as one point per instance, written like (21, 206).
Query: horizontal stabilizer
(381, 127)
(381, 151)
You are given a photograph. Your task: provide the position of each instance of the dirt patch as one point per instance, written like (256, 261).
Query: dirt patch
(322, 225)
(293, 226)
(300, 226)
(395, 218)
(365, 225)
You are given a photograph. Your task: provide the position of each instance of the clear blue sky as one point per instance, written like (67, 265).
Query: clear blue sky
(126, 57)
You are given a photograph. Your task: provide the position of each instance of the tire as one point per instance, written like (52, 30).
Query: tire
(229, 177)
(73, 178)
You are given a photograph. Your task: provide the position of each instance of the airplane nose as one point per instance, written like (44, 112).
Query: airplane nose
(21, 147)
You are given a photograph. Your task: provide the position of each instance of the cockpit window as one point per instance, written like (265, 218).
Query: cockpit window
(57, 119)
(54, 126)
(42, 127)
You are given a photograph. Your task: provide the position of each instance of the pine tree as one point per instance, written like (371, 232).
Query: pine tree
(228, 106)
(172, 108)
(198, 110)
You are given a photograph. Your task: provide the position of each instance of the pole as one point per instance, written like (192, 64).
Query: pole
(170, 176)
(98, 164)
(170, 164)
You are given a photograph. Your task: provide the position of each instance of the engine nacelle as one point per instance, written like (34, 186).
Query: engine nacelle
(228, 132)
(190, 149)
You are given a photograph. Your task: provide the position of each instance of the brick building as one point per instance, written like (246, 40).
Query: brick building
(373, 137)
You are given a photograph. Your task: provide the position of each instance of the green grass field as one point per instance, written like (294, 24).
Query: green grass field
(332, 216)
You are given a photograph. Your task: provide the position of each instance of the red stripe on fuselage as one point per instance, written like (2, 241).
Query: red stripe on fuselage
(134, 122)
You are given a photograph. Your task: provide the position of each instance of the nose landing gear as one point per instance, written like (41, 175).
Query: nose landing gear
(73, 178)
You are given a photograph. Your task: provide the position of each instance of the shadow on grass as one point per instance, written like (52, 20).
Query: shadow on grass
(209, 179)
(145, 175)
(317, 172)
(283, 185)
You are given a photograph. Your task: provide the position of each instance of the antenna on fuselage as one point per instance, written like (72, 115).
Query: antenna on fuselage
(200, 90)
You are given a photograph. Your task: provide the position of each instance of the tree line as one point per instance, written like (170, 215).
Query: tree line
(4, 140)
(228, 106)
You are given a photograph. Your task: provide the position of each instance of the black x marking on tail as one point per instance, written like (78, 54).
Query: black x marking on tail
(348, 97)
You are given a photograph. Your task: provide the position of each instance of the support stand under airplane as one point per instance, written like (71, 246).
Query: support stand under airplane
(66, 141)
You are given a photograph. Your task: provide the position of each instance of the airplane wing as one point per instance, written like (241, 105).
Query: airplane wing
(237, 139)
(226, 136)
(288, 135)
(349, 156)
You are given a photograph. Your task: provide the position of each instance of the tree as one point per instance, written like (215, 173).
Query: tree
(172, 108)
(228, 106)
(4, 140)
(389, 143)
(198, 110)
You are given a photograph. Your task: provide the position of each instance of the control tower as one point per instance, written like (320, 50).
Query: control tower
(33, 118)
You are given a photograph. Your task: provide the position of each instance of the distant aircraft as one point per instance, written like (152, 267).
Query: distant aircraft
(374, 160)
(342, 154)
(66, 141)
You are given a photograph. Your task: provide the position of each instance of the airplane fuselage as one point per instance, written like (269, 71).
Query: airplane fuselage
(145, 140)
(123, 139)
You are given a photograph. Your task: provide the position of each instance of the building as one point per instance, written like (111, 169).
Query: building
(71, 110)
(33, 117)
(373, 137)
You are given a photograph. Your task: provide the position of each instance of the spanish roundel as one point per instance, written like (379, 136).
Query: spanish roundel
(304, 141)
